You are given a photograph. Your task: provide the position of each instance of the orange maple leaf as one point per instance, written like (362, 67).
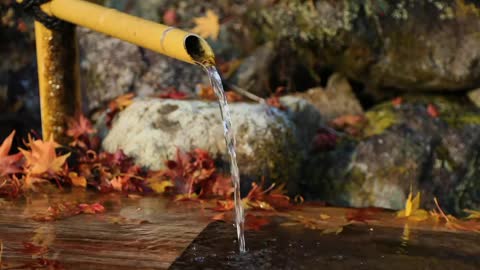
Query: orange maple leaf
(9, 163)
(42, 157)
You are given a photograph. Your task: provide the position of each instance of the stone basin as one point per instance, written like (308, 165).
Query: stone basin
(155, 233)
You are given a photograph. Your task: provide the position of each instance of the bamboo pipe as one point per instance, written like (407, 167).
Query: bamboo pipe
(58, 78)
(160, 38)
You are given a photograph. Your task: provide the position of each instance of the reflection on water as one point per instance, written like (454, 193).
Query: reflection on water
(143, 233)
(357, 247)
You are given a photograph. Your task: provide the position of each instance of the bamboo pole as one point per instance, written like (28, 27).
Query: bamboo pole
(160, 38)
(58, 76)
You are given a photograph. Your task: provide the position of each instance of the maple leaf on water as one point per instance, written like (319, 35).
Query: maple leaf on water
(9, 163)
(270, 199)
(472, 214)
(324, 140)
(412, 209)
(362, 215)
(207, 26)
(42, 157)
(255, 223)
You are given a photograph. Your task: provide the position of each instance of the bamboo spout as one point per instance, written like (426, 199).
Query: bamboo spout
(160, 38)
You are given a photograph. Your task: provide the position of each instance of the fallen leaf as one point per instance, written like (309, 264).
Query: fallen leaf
(362, 215)
(173, 94)
(335, 230)
(170, 17)
(93, 208)
(207, 26)
(350, 123)
(432, 111)
(255, 223)
(162, 186)
(324, 140)
(472, 214)
(9, 163)
(324, 216)
(454, 223)
(32, 249)
(220, 216)
(77, 181)
(79, 126)
(412, 209)
(225, 205)
(396, 102)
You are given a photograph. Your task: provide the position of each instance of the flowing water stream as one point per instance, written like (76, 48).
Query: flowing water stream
(217, 86)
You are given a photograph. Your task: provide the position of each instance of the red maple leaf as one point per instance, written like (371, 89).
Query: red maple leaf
(255, 223)
(173, 93)
(397, 101)
(362, 214)
(9, 163)
(324, 140)
(432, 111)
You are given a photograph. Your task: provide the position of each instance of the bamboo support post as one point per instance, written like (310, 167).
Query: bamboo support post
(57, 53)
(157, 37)
(58, 75)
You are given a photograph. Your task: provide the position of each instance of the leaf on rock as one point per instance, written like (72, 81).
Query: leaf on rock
(9, 163)
(432, 111)
(207, 26)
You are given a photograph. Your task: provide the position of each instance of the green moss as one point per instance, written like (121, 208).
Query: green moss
(379, 120)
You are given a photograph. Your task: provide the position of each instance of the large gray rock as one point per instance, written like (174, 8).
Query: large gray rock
(150, 130)
(404, 146)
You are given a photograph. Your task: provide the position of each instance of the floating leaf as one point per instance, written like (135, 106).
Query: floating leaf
(412, 209)
(335, 230)
(255, 223)
(472, 214)
(207, 26)
(362, 214)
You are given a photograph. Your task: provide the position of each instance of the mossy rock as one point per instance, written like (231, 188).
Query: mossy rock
(428, 143)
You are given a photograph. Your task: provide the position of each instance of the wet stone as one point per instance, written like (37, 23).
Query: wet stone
(279, 247)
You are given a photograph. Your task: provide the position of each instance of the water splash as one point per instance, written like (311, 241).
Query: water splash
(229, 133)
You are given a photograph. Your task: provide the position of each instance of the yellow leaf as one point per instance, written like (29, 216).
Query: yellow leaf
(324, 216)
(207, 26)
(77, 181)
(160, 187)
(412, 209)
(472, 214)
(335, 230)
